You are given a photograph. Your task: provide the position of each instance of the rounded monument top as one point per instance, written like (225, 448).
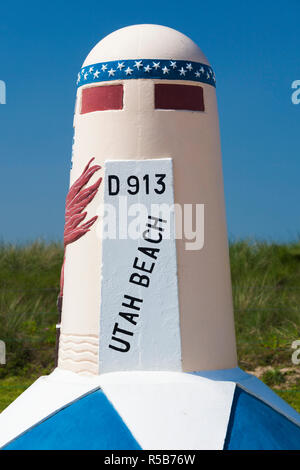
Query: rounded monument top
(145, 41)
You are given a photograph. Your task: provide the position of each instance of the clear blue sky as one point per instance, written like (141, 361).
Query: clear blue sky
(254, 48)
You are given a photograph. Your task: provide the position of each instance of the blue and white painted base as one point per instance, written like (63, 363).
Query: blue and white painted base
(150, 410)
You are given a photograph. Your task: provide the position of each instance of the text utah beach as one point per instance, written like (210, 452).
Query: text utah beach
(153, 237)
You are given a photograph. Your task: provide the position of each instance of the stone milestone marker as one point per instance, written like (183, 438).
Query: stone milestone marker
(146, 112)
(146, 342)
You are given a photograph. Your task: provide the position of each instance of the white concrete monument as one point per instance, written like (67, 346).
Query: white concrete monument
(147, 113)
(146, 342)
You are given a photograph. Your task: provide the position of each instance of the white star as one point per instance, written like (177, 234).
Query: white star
(182, 71)
(207, 75)
(197, 74)
(165, 70)
(103, 68)
(96, 74)
(111, 72)
(147, 68)
(85, 76)
(78, 78)
(173, 64)
(120, 65)
(202, 70)
(138, 64)
(82, 71)
(91, 69)
(128, 71)
(156, 65)
(189, 67)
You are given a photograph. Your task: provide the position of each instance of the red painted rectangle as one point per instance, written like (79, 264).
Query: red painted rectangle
(101, 98)
(185, 97)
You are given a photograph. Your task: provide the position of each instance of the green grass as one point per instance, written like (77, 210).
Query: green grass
(273, 377)
(292, 397)
(266, 295)
(29, 279)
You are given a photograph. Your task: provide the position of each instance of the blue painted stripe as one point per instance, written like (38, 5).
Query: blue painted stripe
(91, 423)
(254, 425)
(146, 68)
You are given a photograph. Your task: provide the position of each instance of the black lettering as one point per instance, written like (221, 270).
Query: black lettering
(146, 179)
(142, 267)
(139, 279)
(122, 341)
(160, 181)
(113, 191)
(129, 317)
(120, 330)
(149, 251)
(133, 182)
(153, 235)
(151, 240)
(132, 301)
(156, 220)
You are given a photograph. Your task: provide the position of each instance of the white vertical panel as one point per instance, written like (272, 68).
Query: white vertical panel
(153, 343)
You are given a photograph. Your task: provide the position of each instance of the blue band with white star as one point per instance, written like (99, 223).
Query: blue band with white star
(146, 68)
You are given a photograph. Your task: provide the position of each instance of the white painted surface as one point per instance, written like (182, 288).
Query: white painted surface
(256, 387)
(155, 339)
(43, 398)
(145, 41)
(169, 410)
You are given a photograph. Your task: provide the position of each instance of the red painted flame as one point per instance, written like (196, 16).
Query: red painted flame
(76, 201)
